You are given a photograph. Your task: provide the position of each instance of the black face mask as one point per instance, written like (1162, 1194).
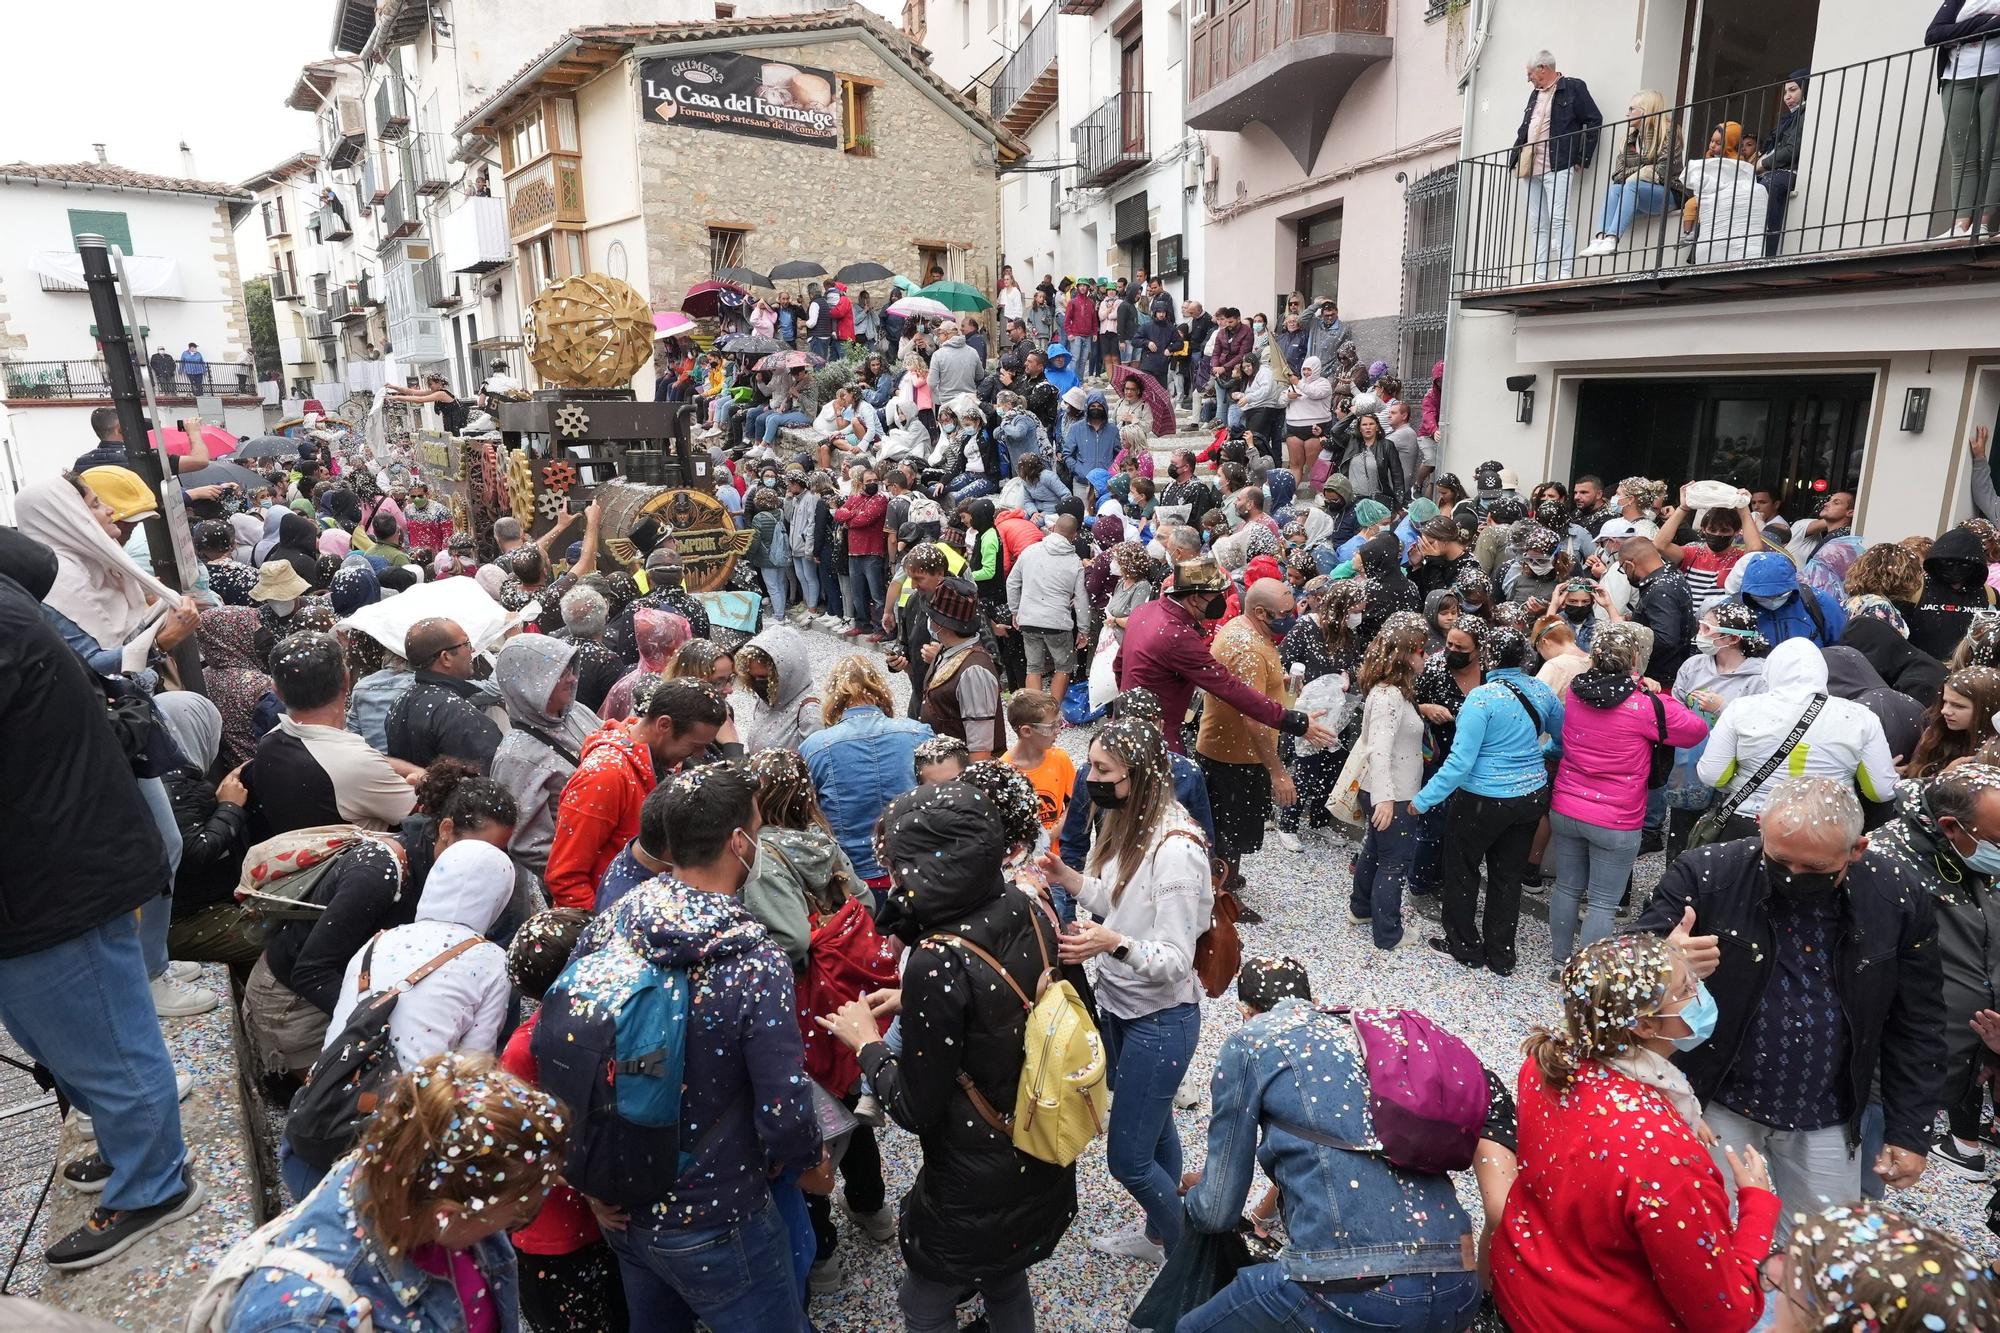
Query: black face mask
(1215, 607)
(1457, 659)
(1801, 887)
(1576, 615)
(869, 488)
(1103, 795)
(1718, 542)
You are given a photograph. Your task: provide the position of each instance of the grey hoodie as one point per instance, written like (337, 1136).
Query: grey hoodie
(529, 763)
(1045, 588)
(798, 872)
(793, 712)
(955, 369)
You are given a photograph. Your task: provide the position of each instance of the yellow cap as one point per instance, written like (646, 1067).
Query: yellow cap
(123, 490)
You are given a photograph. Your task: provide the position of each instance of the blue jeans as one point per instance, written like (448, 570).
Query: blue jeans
(1147, 1058)
(970, 486)
(1626, 198)
(1593, 858)
(1081, 348)
(299, 1175)
(774, 587)
(1381, 872)
(82, 1008)
(753, 421)
(774, 422)
(869, 580)
(1261, 1300)
(734, 1279)
(807, 568)
(156, 918)
(1874, 1133)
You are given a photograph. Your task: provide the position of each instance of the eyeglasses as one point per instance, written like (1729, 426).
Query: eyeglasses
(451, 648)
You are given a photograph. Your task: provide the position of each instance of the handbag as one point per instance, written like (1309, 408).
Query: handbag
(1709, 827)
(1344, 801)
(1662, 766)
(1524, 161)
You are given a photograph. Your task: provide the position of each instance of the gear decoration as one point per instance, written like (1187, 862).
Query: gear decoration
(461, 517)
(521, 486)
(559, 476)
(590, 331)
(572, 420)
(549, 505)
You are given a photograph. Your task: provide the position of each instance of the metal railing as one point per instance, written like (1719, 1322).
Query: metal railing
(320, 327)
(435, 287)
(1035, 57)
(330, 225)
(1242, 32)
(341, 305)
(1111, 140)
(1876, 160)
(392, 109)
(430, 172)
(399, 215)
(276, 224)
(86, 378)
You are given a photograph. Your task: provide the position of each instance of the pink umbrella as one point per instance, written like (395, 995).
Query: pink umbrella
(218, 440)
(1155, 395)
(706, 298)
(671, 323)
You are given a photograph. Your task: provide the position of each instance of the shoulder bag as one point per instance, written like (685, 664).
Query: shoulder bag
(1709, 827)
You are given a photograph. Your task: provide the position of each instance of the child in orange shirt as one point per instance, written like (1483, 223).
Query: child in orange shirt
(1048, 767)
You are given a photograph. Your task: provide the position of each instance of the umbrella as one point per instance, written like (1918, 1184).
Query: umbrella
(218, 440)
(221, 473)
(1155, 395)
(797, 268)
(748, 277)
(790, 360)
(705, 298)
(751, 344)
(267, 446)
(955, 296)
(902, 282)
(920, 307)
(671, 323)
(865, 271)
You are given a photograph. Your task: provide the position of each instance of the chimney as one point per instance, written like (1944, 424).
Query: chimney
(187, 161)
(100, 152)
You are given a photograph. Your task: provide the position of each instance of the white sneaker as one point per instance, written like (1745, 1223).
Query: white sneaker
(880, 1225)
(868, 1110)
(173, 1000)
(832, 623)
(1188, 1095)
(184, 971)
(183, 1085)
(1290, 842)
(1130, 1244)
(1603, 245)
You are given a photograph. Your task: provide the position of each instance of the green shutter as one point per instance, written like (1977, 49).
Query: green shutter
(113, 227)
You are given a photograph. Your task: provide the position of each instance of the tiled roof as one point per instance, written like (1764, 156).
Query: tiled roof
(113, 176)
(297, 162)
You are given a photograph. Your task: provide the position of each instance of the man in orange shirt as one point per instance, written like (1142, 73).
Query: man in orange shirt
(1037, 722)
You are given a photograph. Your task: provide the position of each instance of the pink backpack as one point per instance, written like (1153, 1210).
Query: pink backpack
(1427, 1092)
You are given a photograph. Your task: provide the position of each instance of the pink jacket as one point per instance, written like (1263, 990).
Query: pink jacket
(1606, 752)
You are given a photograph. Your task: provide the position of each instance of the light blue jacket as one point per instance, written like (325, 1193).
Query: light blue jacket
(859, 765)
(1044, 493)
(1497, 750)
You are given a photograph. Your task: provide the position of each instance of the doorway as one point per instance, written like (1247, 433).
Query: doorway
(1319, 256)
(1132, 90)
(1798, 435)
(1738, 60)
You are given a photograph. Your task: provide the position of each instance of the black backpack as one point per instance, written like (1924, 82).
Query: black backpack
(348, 1080)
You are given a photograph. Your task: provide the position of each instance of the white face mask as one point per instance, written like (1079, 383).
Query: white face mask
(284, 607)
(1541, 566)
(1354, 620)
(1706, 646)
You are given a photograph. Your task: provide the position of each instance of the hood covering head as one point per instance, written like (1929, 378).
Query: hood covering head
(1957, 559)
(194, 723)
(227, 636)
(27, 562)
(299, 534)
(1057, 352)
(354, 587)
(470, 884)
(1434, 605)
(1796, 669)
(526, 672)
(1769, 574)
(1282, 486)
(659, 635)
(791, 669)
(944, 849)
(1095, 399)
(1381, 558)
(96, 585)
(1107, 530)
(260, 550)
(1338, 483)
(1849, 674)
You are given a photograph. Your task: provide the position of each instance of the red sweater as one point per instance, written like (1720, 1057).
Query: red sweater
(565, 1224)
(864, 516)
(1166, 651)
(1619, 1221)
(1080, 317)
(598, 814)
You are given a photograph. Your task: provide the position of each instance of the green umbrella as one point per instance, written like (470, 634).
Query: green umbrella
(904, 283)
(955, 296)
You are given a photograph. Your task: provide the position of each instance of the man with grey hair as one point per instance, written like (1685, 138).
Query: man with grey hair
(586, 614)
(507, 533)
(1557, 138)
(1830, 984)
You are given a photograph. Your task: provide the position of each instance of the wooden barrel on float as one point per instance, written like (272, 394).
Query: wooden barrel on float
(692, 521)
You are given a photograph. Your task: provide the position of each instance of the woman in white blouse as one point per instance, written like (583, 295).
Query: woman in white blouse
(1391, 771)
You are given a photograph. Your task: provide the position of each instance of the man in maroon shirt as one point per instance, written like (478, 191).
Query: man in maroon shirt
(1166, 652)
(1234, 339)
(865, 515)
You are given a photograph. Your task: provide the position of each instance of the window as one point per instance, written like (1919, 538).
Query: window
(113, 227)
(1055, 201)
(525, 140)
(726, 247)
(931, 263)
(1429, 217)
(992, 14)
(915, 23)
(1319, 255)
(725, 11)
(857, 133)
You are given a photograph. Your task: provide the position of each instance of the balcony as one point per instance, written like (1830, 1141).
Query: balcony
(343, 132)
(473, 236)
(1870, 203)
(84, 380)
(1284, 63)
(320, 328)
(1026, 88)
(428, 169)
(330, 225)
(399, 216)
(341, 307)
(1111, 141)
(392, 110)
(1079, 6)
(282, 288)
(365, 297)
(434, 286)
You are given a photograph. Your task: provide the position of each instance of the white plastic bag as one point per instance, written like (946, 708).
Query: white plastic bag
(1103, 680)
(1327, 700)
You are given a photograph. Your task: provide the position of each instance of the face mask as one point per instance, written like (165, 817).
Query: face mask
(1542, 567)
(1214, 607)
(1282, 625)
(1795, 886)
(1718, 542)
(283, 608)
(1576, 615)
(1706, 646)
(1354, 620)
(870, 488)
(1984, 858)
(1700, 1015)
(1457, 659)
(1770, 603)
(1103, 795)
(1116, 572)
(762, 686)
(1260, 326)
(749, 866)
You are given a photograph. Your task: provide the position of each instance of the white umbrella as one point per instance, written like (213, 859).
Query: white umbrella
(920, 307)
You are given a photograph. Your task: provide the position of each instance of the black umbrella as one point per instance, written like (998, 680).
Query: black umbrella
(865, 271)
(797, 268)
(223, 471)
(266, 446)
(749, 277)
(751, 344)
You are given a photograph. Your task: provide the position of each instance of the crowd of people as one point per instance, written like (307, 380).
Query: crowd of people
(589, 984)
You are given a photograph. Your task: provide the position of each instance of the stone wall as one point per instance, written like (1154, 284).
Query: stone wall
(928, 181)
(232, 283)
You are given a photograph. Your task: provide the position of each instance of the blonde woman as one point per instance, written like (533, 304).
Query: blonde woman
(1646, 177)
(1147, 884)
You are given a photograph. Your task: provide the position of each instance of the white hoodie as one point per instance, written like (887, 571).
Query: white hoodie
(1845, 740)
(463, 1004)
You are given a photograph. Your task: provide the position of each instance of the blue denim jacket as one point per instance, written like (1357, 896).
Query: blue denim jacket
(859, 765)
(406, 1299)
(1497, 751)
(1349, 1214)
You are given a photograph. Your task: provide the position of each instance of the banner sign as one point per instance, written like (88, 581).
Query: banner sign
(742, 94)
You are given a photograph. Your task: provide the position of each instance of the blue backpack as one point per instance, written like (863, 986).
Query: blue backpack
(611, 1042)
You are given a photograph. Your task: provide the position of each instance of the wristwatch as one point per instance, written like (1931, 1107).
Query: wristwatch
(1124, 947)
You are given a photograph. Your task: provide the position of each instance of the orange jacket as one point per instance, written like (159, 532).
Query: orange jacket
(598, 813)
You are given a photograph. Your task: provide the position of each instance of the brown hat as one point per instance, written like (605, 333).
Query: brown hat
(955, 606)
(1202, 575)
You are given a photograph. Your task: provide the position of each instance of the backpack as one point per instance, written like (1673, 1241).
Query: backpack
(210, 1311)
(280, 874)
(1060, 1104)
(1427, 1093)
(611, 1042)
(847, 959)
(348, 1080)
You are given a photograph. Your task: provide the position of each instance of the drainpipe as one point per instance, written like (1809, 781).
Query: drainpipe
(1468, 84)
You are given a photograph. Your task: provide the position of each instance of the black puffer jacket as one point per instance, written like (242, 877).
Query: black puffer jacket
(979, 1208)
(1887, 974)
(214, 836)
(1906, 670)
(1954, 588)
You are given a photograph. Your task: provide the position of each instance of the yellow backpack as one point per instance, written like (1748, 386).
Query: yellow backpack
(1060, 1106)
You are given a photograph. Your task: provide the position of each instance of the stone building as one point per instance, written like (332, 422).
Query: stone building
(821, 136)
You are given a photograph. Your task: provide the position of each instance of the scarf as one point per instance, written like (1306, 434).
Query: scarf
(1656, 1071)
(97, 585)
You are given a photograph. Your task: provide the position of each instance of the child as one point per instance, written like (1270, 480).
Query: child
(1048, 767)
(940, 759)
(570, 1280)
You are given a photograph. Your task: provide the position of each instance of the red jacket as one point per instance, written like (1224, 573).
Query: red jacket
(842, 310)
(1232, 345)
(565, 1223)
(1080, 317)
(1618, 1220)
(1165, 651)
(1017, 533)
(865, 517)
(598, 813)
